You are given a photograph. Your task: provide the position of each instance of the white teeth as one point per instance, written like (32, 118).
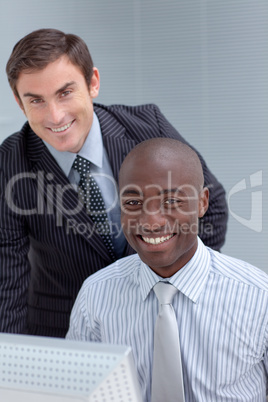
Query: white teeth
(156, 240)
(58, 130)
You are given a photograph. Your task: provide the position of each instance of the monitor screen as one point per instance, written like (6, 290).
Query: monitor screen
(34, 368)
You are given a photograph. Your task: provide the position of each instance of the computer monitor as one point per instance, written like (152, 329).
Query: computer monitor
(34, 368)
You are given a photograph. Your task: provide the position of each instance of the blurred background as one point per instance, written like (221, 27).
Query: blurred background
(204, 63)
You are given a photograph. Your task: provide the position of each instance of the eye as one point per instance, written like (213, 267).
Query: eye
(132, 202)
(36, 101)
(172, 203)
(131, 206)
(65, 93)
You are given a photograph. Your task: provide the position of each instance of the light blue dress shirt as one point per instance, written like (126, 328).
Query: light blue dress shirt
(222, 314)
(94, 151)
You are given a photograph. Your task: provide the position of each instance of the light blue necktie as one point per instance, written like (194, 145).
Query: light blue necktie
(167, 379)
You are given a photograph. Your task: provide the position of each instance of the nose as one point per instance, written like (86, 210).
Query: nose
(152, 218)
(55, 114)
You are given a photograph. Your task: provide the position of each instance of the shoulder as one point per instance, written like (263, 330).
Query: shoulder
(121, 270)
(141, 122)
(128, 109)
(11, 144)
(14, 141)
(234, 269)
(13, 149)
(147, 114)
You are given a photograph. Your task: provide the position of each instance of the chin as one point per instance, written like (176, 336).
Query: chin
(66, 147)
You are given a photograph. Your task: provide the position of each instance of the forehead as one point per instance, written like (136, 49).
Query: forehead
(53, 75)
(152, 172)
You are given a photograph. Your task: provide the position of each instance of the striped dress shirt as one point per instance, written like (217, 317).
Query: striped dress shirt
(222, 314)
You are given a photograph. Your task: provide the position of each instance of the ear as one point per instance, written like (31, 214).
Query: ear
(203, 202)
(95, 83)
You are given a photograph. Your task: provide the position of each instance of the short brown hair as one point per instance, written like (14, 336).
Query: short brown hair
(39, 48)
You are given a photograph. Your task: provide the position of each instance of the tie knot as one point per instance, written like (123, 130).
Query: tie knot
(165, 292)
(81, 165)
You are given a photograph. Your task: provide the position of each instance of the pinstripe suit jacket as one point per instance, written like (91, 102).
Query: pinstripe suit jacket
(46, 245)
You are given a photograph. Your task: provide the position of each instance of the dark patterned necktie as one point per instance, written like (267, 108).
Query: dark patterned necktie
(90, 194)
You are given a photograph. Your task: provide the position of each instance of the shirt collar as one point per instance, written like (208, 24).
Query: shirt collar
(189, 280)
(93, 146)
(91, 150)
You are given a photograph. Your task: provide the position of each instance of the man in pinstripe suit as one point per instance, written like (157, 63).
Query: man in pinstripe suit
(48, 242)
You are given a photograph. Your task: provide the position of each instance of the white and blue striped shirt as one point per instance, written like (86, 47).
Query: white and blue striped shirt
(222, 314)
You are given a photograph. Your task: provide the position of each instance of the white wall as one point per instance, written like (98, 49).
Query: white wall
(205, 63)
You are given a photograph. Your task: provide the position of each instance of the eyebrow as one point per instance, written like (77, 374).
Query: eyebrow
(65, 86)
(173, 190)
(167, 191)
(132, 192)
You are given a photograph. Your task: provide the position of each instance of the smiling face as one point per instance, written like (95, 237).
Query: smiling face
(162, 197)
(58, 103)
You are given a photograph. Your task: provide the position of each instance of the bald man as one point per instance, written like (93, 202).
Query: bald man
(221, 305)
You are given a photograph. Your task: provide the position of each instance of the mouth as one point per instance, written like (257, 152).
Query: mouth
(156, 240)
(63, 128)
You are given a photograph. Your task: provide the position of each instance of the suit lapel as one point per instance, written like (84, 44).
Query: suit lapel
(115, 141)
